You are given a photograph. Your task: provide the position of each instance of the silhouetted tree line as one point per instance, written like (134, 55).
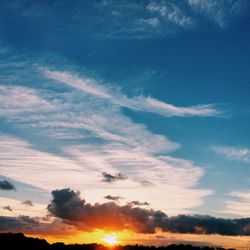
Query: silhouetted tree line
(9, 241)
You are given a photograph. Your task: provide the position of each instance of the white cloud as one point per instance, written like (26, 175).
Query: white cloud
(160, 18)
(219, 11)
(65, 115)
(15, 99)
(171, 12)
(102, 139)
(140, 103)
(19, 161)
(82, 170)
(184, 14)
(142, 20)
(87, 85)
(238, 203)
(239, 154)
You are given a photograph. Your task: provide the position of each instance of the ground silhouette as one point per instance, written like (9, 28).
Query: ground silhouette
(18, 241)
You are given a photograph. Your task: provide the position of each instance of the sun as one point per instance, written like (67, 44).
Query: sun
(110, 239)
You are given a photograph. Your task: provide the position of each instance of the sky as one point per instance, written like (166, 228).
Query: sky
(126, 117)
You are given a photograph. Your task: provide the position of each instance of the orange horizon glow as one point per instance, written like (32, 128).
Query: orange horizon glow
(128, 237)
(97, 236)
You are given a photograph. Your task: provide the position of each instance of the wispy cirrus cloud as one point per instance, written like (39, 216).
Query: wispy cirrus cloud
(238, 203)
(125, 19)
(18, 154)
(85, 165)
(16, 100)
(220, 12)
(162, 18)
(170, 12)
(139, 103)
(240, 154)
(92, 135)
(61, 116)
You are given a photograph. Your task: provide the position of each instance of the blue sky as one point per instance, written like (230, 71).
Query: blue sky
(157, 91)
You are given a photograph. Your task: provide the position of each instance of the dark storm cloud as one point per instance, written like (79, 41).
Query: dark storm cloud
(113, 198)
(20, 223)
(7, 208)
(33, 225)
(28, 203)
(6, 185)
(138, 203)
(203, 224)
(112, 178)
(69, 206)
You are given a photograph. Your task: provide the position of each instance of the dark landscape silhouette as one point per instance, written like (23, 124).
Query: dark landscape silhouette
(17, 241)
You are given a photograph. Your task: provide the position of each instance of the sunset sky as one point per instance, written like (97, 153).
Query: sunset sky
(126, 120)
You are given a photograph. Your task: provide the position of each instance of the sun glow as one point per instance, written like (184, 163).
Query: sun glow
(110, 239)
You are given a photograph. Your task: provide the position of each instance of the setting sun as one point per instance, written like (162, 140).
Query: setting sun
(110, 239)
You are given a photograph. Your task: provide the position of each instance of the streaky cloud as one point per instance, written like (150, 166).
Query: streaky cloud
(19, 99)
(170, 12)
(238, 203)
(147, 173)
(125, 146)
(240, 154)
(220, 12)
(138, 103)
